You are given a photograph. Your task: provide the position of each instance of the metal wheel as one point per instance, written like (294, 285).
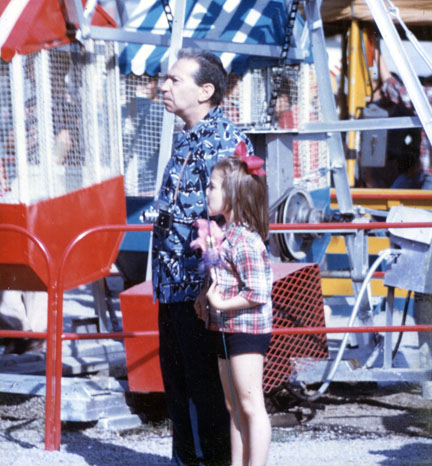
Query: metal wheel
(296, 208)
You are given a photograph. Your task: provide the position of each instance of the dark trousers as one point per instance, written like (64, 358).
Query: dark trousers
(193, 389)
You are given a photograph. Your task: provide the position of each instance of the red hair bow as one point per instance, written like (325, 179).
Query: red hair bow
(253, 162)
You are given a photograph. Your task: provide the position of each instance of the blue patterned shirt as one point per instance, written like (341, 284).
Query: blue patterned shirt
(174, 263)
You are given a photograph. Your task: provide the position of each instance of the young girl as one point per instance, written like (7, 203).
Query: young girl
(240, 301)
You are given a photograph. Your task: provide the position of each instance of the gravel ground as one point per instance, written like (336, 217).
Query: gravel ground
(362, 424)
(357, 423)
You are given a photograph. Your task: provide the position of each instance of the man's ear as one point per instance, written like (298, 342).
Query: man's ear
(206, 92)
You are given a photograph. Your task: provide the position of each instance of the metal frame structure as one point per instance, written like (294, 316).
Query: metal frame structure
(278, 146)
(55, 335)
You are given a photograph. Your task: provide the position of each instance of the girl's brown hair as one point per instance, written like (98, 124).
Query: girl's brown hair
(245, 195)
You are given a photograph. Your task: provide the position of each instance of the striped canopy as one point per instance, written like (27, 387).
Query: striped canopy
(232, 21)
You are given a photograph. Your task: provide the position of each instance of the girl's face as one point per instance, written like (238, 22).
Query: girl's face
(215, 195)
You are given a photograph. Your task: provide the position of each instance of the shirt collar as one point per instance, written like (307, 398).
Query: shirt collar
(195, 131)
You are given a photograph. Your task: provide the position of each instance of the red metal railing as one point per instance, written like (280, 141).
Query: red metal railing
(49, 335)
(55, 335)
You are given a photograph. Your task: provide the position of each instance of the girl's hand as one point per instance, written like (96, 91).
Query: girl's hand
(214, 296)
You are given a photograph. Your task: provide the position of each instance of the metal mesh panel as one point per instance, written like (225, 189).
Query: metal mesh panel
(142, 114)
(61, 128)
(7, 165)
(231, 102)
(245, 100)
(297, 302)
(245, 103)
(313, 155)
(297, 104)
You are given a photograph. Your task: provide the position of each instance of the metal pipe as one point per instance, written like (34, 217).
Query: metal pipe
(59, 336)
(383, 256)
(22, 334)
(346, 226)
(328, 104)
(390, 196)
(362, 329)
(345, 274)
(50, 426)
(275, 331)
(405, 68)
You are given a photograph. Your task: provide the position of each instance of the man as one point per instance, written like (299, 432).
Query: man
(193, 89)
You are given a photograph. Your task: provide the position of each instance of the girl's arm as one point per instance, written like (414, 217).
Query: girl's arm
(235, 303)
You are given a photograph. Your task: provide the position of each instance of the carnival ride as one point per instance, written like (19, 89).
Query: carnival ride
(79, 180)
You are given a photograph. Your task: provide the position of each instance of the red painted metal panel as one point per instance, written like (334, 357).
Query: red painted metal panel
(297, 302)
(139, 313)
(40, 24)
(56, 222)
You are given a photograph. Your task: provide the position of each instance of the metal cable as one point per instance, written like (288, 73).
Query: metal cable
(168, 13)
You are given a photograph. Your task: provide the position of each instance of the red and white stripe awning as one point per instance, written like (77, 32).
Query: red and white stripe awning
(27, 26)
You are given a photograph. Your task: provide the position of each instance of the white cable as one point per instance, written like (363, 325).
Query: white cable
(382, 256)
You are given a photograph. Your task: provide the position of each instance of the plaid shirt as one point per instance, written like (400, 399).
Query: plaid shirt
(245, 270)
(394, 91)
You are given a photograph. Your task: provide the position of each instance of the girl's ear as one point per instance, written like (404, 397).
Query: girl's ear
(206, 92)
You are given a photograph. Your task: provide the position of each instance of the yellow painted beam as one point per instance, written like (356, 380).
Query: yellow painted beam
(343, 287)
(375, 245)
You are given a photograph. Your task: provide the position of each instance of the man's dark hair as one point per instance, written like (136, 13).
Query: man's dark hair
(210, 71)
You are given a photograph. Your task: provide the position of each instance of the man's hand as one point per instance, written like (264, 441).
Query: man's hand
(201, 305)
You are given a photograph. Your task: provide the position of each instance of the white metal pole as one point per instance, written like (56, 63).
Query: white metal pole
(168, 118)
(45, 122)
(165, 147)
(114, 117)
(328, 104)
(91, 94)
(405, 68)
(18, 114)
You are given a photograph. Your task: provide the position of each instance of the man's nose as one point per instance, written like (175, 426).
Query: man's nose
(164, 86)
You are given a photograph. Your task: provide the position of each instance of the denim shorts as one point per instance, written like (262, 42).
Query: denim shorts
(240, 343)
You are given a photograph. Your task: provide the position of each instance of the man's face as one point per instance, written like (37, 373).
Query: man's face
(181, 95)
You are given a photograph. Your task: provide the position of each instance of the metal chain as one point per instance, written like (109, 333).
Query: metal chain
(277, 76)
(168, 13)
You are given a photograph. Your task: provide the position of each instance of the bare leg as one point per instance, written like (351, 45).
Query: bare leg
(251, 448)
